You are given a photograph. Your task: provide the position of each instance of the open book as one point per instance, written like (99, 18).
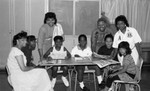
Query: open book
(102, 63)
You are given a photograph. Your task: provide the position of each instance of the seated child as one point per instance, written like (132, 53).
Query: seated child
(58, 47)
(106, 50)
(27, 50)
(84, 51)
(127, 70)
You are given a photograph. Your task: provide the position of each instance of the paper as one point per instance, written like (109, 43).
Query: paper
(58, 55)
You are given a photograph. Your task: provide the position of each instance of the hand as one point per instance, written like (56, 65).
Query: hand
(112, 75)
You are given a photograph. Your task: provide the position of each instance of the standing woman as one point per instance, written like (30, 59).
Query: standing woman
(47, 32)
(129, 34)
(22, 77)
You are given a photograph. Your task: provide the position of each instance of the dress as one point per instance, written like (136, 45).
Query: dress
(34, 80)
(97, 38)
(45, 36)
(132, 37)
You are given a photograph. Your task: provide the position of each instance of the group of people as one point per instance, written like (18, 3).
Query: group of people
(123, 46)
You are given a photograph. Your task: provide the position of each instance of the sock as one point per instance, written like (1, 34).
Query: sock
(53, 82)
(99, 78)
(65, 81)
(81, 84)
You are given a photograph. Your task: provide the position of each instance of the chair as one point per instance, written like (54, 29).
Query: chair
(116, 84)
(88, 71)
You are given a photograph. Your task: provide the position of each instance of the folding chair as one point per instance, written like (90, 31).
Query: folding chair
(117, 83)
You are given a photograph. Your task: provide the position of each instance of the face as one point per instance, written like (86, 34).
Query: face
(58, 43)
(50, 21)
(82, 42)
(22, 42)
(122, 51)
(101, 25)
(109, 42)
(33, 45)
(121, 25)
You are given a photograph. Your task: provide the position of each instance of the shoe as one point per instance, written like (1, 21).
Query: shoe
(53, 82)
(85, 89)
(65, 81)
(102, 85)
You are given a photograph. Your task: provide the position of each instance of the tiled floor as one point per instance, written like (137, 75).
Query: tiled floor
(145, 82)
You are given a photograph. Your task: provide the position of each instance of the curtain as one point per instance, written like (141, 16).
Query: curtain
(136, 11)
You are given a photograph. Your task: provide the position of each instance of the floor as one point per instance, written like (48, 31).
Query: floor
(145, 82)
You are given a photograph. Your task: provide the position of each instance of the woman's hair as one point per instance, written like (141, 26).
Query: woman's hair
(82, 35)
(58, 38)
(121, 18)
(50, 15)
(126, 46)
(18, 36)
(102, 19)
(109, 36)
(31, 38)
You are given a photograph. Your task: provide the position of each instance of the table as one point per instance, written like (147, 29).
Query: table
(77, 61)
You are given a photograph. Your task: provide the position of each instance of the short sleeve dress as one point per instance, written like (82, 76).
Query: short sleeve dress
(33, 80)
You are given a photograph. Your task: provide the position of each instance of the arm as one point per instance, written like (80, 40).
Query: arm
(47, 53)
(21, 63)
(68, 53)
(40, 42)
(122, 69)
(114, 53)
(93, 47)
(138, 47)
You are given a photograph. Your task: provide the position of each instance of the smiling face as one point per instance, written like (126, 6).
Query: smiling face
(121, 25)
(101, 25)
(22, 42)
(58, 43)
(50, 22)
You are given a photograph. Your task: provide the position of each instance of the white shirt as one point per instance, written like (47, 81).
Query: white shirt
(83, 53)
(130, 35)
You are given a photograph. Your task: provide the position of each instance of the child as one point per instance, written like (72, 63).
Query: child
(106, 50)
(128, 69)
(84, 51)
(27, 50)
(58, 40)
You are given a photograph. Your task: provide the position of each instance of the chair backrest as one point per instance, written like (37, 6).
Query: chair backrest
(139, 67)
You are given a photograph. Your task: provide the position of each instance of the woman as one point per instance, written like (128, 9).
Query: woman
(129, 34)
(24, 78)
(98, 35)
(47, 32)
(127, 71)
